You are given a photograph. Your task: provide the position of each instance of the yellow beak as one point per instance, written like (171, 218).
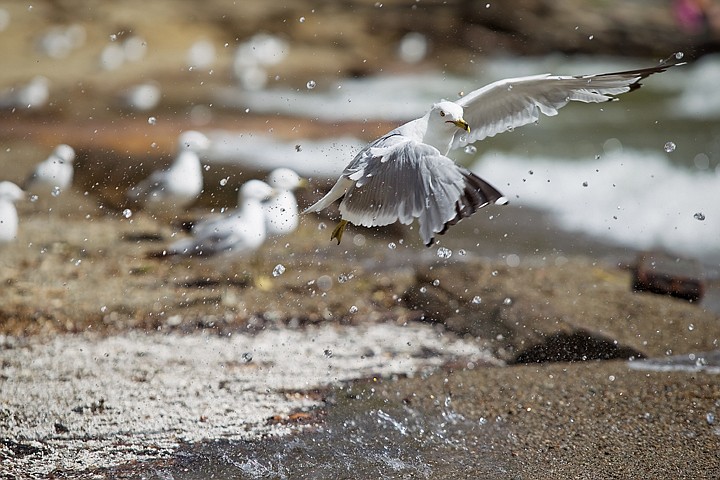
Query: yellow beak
(462, 124)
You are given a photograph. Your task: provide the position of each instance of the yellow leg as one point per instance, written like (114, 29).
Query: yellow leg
(337, 233)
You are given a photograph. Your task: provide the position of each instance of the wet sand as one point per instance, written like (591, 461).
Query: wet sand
(144, 370)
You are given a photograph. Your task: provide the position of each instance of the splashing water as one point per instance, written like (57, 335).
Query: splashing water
(278, 270)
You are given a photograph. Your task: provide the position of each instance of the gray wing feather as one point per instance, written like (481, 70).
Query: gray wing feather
(400, 179)
(152, 185)
(514, 102)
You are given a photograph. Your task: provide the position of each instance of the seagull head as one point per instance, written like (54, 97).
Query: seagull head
(256, 191)
(194, 141)
(65, 153)
(285, 179)
(449, 113)
(10, 192)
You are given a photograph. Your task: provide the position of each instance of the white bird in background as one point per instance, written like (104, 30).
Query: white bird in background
(281, 211)
(32, 95)
(55, 174)
(143, 96)
(178, 186)
(238, 232)
(9, 194)
(406, 174)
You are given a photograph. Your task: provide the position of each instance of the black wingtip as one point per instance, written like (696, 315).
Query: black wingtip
(477, 194)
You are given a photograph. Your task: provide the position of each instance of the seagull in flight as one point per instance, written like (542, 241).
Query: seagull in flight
(406, 174)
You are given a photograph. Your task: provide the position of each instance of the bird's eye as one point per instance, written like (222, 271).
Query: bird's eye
(442, 114)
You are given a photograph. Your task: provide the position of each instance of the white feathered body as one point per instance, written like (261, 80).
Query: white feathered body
(239, 232)
(8, 221)
(9, 194)
(53, 175)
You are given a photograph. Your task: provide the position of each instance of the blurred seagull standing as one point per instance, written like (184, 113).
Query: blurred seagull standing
(9, 194)
(238, 232)
(406, 173)
(32, 95)
(178, 186)
(55, 174)
(281, 211)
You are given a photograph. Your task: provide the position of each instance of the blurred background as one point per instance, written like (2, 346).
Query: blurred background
(304, 84)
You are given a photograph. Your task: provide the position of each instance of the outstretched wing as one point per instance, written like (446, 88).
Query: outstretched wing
(514, 102)
(401, 179)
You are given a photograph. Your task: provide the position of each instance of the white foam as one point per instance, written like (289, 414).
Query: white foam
(401, 97)
(700, 98)
(634, 198)
(325, 158)
(384, 97)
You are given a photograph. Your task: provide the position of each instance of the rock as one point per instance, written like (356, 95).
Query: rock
(575, 347)
(665, 275)
(579, 310)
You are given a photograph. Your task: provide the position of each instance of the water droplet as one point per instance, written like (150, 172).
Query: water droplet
(33, 198)
(670, 147)
(591, 37)
(443, 252)
(127, 213)
(103, 309)
(278, 270)
(392, 246)
(247, 357)
(55, 191)
(322, 226)
(152, 120)
(436, 282)
(423, 289)
(462, 252)
(679, 55)
(206, 167)
(494, 273)
(353, 309)
(476, 299)
(691, 327)
(310, 84)
(710, 418)
(699, 216)
(507, 301)
(78, 262)
(302, 20)
(113, 37)
(224, 181)
(470, 149)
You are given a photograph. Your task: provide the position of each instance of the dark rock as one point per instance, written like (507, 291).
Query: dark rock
(60, 428)
(575, 347)
(665, 275)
